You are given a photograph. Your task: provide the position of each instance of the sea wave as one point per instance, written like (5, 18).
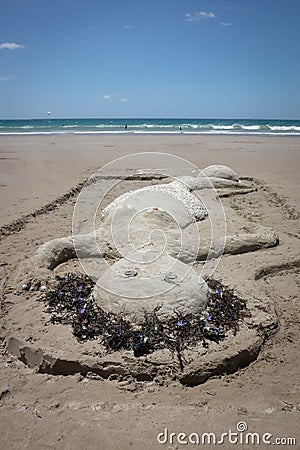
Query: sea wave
(150, 126)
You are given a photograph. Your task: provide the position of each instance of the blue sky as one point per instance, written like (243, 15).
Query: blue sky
(158, 58)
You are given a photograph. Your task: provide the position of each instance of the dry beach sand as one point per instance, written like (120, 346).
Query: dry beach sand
(41, 411)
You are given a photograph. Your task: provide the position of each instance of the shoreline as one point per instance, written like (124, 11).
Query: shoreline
(145, 133)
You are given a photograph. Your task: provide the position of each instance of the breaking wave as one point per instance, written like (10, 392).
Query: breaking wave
(150, 126)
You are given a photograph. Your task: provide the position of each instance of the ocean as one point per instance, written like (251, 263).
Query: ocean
(150, 126)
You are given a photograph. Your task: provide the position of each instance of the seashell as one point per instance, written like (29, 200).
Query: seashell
(170, 277)
(131, 273)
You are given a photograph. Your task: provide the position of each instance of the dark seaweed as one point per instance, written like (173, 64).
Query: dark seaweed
(71, 302)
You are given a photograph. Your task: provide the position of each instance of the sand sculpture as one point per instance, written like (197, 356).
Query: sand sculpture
(153, 263)
(149, 250)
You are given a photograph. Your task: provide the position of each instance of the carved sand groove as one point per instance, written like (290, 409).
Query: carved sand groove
(276, 268)
(237, 192)
(18, 224)
(276, 199)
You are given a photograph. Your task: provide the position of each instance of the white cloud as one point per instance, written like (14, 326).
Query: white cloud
(11, 45)
(128, 27)
(123, 100)
(106, 97)
(201, 15)
(226, 24)
(4, 78)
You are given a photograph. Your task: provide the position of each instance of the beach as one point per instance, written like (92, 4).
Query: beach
(40, 410)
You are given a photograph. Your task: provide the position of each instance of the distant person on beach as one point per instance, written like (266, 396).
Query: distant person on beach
(125, 127)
